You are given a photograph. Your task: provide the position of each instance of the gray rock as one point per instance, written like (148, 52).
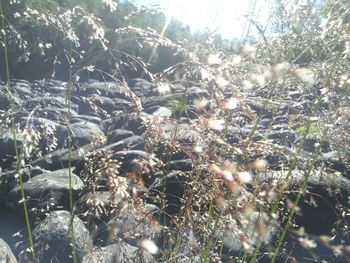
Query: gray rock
(131, 158)
(162, 112)
(181, 165)
(9, 179)
(118, 135)
(133, 142)
(120, 252)
(6, 255)
(233, 234)
(282, 137)
(317, 209)
(62, 158)
(45, 190)
(87, 118)
(106, 104)
(12, 229)
(131, 224)
(107, 89)
(121, 104)
(197, 93)
(5, 100)
(56, 113)
(81, 133)
(53, 240)
(7, 147)
(140, 87)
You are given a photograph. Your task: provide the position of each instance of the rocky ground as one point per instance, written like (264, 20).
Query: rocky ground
(124, 143)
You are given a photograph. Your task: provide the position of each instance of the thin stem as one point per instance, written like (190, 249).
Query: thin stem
(15, 144)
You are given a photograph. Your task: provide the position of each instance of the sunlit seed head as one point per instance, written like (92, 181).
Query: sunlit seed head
(279, 70)
(347, 47)
(90, 68)
(216, 124)
(236, 60)
(305, 75)
(227, 175)
(248, 50)
(229, 104)
(260, 165)
(247, 85)
(244, 177)
(307, 243)
(233, 186)
(221, 202)
(201, 104)
(164, 89)
(214, 60)
(198, 149)
(258, 79)
(221, 82)
(204, 74)
(149, 246)
(215, 168)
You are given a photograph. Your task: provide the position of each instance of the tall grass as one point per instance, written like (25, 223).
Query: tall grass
(20, 158)
(222, 182)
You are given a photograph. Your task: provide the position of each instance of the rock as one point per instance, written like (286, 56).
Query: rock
(295, 94)
(5, 100)
(259, 107)
(53, 240)
(51, 86)
(233, 234)
(7, 148)
(196, 93)
(122, 105)
(134, 160)
(131, 224)
(120, 252)
(133, 143)
(106, 104)
(118, 135)
(282, 137)
(86, 118)
(334, 162)
(12, 229)
(133, 122)
(162, 112)
(180, 165)
(265, 123)
(140, 87)
(49, 101)
(106, 89)
(81, 133)
(324, 192)
(6, 255)
(9, 179)
(95, 208)
(56, 113)
(173, 186)
(310, 144)
(63, 158)
(283, 119)
(45, 190)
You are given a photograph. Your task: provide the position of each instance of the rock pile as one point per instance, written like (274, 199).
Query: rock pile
(97, 141)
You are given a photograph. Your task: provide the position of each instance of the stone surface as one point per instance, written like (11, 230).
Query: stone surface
(50, 189)
(52, 237)
(155, 148)
(120, 252)
(6, 255)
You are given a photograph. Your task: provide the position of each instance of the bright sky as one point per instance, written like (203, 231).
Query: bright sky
(224, 15)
